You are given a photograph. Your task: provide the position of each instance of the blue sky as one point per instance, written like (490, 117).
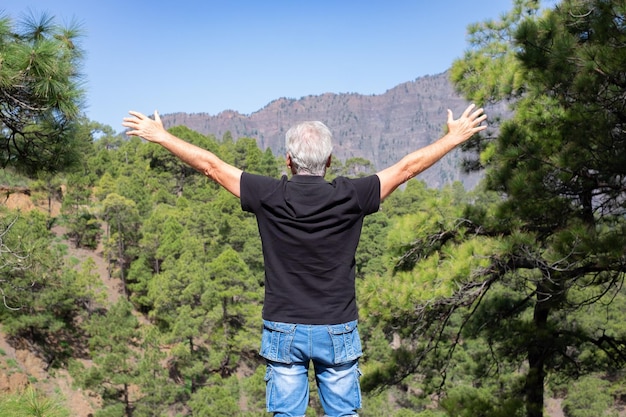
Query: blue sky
(210, 56)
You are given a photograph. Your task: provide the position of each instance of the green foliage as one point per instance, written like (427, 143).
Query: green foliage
(269, 164)
(400, 203)
(84, 229)
(42, 295)
(123, 220)
(525, 274)
(217, 397)
(10, 177)
(157, 392)
(466, 401)
(424, 262)
(352, 167)
(370, 255)
(589, 397)
(41, 94)
(113, 345)
(32, 403)
(490, 71)
(252, 393)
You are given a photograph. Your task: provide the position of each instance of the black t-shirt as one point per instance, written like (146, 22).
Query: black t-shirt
(310, 230)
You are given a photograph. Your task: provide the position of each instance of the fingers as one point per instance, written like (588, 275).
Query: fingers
(478, 114)
(137, 114)
(137, 117)
(468, 123)
(481, 119)
(131, 122)
(474, 116)
(139, 124)
(468, 110)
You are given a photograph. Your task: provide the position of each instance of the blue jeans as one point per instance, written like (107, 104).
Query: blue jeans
(334, 350)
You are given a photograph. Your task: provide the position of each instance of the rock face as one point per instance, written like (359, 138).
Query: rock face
(380, 128)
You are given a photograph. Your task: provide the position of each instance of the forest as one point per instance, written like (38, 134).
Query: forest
(496, 301)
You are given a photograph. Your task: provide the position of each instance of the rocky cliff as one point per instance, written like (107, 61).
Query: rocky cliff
(381, 128)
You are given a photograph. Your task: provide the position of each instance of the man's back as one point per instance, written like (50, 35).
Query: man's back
(310, 229)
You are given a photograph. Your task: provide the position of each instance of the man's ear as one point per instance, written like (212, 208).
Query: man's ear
(290, 164)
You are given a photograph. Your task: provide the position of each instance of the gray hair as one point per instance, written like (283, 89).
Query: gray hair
(309, 144)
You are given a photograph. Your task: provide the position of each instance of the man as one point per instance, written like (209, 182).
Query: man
(310, 230)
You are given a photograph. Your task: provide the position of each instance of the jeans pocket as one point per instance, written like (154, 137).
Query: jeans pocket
(276, 341)
(346, 342)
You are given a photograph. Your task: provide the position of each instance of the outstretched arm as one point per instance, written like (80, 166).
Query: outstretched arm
(459, 131)
(200, 159)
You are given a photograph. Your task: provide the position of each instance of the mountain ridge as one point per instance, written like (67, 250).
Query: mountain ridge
(380, 128)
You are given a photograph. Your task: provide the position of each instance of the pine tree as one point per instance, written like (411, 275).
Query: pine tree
(518, 270)
(40, 94)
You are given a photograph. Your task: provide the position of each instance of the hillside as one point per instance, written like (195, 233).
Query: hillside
(380, 128)
(20, 367)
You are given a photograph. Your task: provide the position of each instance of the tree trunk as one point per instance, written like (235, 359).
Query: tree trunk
(127, 407)
(537, 351)
(191, 355)
(121, 258)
